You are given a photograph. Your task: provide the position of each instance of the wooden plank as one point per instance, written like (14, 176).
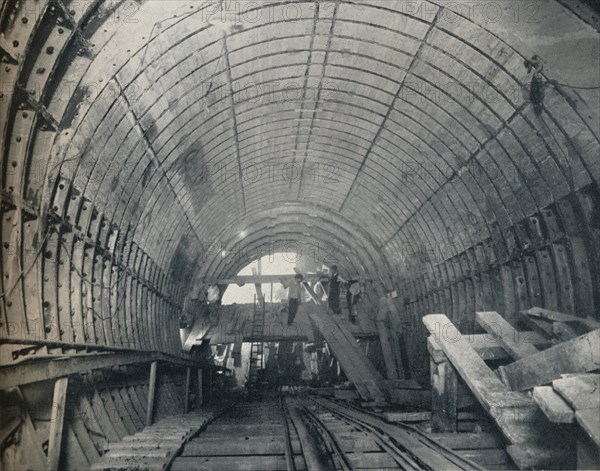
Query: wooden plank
(581, 393)
(579, 390)
(402, 384)
(244, 463)
(188, 379)
(396, 338)
(406, 416)
(241, 280)
(505, 407)
(151, 393)
(377, 460)
(345, 394)
(444, 397)
(200, 399)
(468, 441)
(356, 366)
(56, 425)
(234, 447)
(505, 333)
(72, 451)
(560, 317)
(489, 348)
(31, 448)
(552, 405)
(384, 340)
(486, 458)
(563, 331)
(42, 370)
(579, 355)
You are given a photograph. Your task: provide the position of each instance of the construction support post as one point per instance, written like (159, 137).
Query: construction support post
(151, 393)
(56, 425)
(188, 378)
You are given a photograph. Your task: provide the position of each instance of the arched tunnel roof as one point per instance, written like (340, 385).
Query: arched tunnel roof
(382, 129)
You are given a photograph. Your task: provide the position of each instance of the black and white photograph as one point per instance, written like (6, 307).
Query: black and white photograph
(299, 235)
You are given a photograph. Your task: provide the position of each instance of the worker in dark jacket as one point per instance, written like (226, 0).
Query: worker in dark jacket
(333, 297)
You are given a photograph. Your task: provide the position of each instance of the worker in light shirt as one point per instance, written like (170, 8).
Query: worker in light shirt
(294, 298)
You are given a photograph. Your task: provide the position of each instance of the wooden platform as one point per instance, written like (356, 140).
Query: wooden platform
(233, 323)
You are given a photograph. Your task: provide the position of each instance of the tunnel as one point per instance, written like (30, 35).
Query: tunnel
(445, 152)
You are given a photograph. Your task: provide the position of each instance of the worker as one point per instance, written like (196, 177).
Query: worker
(352, 297)
(213, 299)
(333, 297)
(294, 298)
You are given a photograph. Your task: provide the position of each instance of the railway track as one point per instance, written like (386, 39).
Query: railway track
(293, 433)
(307, 433)
(249, 436)
(359, 440)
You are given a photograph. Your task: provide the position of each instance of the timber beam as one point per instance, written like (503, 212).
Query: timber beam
(254, 279)
(44, 369)
(579, 355)
(532, 442)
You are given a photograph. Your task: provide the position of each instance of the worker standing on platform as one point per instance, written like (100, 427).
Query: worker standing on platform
(294, 298)
(333, 296)
(213, 298)
(352, 297)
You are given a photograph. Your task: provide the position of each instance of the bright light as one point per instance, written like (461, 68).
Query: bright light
(224, 253)
(243, 234)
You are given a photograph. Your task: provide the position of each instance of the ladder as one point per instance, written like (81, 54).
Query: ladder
(256, 349)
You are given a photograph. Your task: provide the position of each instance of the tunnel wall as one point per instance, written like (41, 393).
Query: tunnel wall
(101, 407)
(502, 215)
(549, 259)
(73, 270)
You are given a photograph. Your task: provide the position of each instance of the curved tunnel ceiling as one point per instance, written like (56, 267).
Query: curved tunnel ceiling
(386, 128)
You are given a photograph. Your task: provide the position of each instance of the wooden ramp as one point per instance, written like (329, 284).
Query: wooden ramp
(368, 381)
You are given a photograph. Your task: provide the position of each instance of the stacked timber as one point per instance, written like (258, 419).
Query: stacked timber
(575, 398)
(155, 447)
(559, 344)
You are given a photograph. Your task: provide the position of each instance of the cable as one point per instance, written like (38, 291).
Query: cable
(568, 173)
(24, 273)
(83, 278)
(554, 82)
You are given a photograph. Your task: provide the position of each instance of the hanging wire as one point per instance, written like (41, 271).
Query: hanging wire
(24, 273)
